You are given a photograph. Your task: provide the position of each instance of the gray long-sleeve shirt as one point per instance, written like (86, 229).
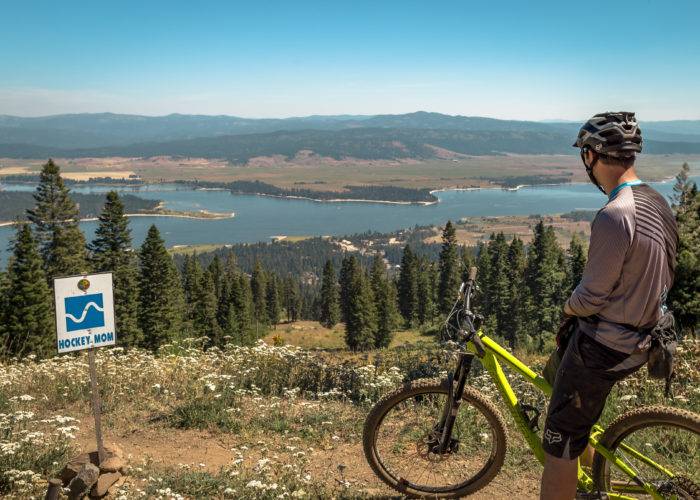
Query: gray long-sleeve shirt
(630, 268)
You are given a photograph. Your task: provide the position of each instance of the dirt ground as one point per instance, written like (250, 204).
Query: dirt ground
(208, 451)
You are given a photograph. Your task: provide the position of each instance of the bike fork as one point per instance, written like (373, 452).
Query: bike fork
(454, 399)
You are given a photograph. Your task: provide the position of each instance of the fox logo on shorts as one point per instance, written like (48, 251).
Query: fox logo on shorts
(552, 437)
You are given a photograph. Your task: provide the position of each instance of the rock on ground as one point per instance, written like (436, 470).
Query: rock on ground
(81, 484)
(112, 464)
(103, 484)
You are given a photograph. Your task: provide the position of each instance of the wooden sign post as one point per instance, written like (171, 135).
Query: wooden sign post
(96, 405)
(85, 320)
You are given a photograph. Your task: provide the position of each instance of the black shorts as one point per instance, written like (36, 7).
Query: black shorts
(584, 378)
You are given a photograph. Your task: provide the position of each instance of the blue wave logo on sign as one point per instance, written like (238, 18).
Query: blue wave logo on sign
(84, 311)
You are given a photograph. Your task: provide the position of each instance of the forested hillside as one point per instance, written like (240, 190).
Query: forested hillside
(76, 131)
(413, 135)
(14, 204)
(360, 143)
(308, 256)
(375, 193)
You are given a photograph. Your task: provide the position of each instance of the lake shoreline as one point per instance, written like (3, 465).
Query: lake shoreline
(338, 200)
(183, 215)
(348, 200)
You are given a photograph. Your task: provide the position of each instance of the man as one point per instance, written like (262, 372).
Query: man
(630, 268)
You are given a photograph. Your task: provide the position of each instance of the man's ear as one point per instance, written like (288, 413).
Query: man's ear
(590, 157)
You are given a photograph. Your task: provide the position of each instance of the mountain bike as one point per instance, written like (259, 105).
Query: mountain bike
(445, 439)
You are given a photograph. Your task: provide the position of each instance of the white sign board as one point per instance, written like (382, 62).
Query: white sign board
(84, 312)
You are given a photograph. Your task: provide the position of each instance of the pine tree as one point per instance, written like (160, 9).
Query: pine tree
(225, 310)
(242, 298)
(483, 262)
(4, 284)
(408, 286)
(273, 300)
(347, 269)
(111, 251)
(546, 277)
(515, 324)
(293, 299)
(361, 321)
(160, 293)
(681, 188)
(500, 286)
(449, 269)
(191, 279)
(684, 299)
(27, 319)
(330, 307)
(577, 263)
(426, 291)
(258, 285)
(203, 319)
(385, 302)
(216, 271)
(55, 217)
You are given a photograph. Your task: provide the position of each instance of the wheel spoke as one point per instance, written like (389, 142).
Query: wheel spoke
(405, 437)
(665, 455)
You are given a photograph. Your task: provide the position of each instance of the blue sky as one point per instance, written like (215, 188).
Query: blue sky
(523, 60)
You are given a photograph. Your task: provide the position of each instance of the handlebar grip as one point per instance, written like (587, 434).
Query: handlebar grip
(472, 273)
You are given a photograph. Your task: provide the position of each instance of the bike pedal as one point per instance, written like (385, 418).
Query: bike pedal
(532, 422)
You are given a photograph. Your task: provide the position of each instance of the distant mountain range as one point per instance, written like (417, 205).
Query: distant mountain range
(414, 135)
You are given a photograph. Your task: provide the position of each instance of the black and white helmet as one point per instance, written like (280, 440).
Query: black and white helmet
(612, 133)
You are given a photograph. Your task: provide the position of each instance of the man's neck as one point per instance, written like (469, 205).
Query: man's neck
(628, 175)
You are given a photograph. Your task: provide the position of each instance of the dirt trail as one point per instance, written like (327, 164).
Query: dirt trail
(209, 451)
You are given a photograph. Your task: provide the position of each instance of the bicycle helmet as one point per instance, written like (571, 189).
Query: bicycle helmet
(612, 133)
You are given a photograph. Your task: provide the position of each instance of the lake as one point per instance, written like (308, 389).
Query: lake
(258, 217)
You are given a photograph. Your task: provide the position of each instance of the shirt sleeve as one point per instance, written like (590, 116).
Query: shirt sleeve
(611, 236)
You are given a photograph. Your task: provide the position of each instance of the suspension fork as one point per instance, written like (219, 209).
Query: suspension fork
(454, 399)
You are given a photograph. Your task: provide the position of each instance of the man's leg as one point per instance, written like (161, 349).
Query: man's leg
(578, 396)
(558, 479)
(586, 458)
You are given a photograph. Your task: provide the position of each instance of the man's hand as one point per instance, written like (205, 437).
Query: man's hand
(566, 328)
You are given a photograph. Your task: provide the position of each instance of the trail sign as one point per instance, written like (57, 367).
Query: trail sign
(85, 320)
(84, 312)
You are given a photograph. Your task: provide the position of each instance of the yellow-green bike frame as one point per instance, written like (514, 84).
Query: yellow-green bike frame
(492, 356)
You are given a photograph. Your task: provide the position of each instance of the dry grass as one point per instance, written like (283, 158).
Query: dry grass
(13, 170)
(92, 174)
(331, 175)
(192, 249)
(313, 335)
(472, 230)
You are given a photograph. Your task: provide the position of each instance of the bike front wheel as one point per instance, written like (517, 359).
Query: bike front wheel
(399, 441)
(661, 445)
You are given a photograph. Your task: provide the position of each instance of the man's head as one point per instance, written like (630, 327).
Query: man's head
(609, 143)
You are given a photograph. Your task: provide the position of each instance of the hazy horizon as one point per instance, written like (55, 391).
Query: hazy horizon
(213, 115)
